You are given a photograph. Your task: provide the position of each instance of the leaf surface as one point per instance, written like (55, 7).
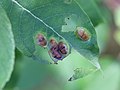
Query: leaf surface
(6, 48)
(50, 17)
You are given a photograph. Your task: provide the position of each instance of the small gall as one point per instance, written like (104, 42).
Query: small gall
(56, 55)
(83, 34)
(63, 48)
(53, 43)
(54, 50)
(41, 40)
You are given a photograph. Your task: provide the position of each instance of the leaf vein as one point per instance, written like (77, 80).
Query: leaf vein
(36, 17)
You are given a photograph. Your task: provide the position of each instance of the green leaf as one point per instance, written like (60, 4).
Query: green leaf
(33, 16)
(81, 72)
(6, 49)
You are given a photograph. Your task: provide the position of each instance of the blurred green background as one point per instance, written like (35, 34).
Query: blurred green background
(31, 75)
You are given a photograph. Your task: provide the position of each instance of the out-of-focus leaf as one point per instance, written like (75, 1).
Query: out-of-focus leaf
(6, 49)
(92, 10)
(110, 81)
(117, 16)
(103, 33)
(117, 36)
(31, 75)
(33, 16)
(105, 13)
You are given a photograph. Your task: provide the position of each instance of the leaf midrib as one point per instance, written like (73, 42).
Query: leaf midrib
(36, 17)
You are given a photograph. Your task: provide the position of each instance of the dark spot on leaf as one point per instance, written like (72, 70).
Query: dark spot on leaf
(68, 18)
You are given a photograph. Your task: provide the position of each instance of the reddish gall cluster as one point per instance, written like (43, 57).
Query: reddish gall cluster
(58, 50)
(54, 50)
